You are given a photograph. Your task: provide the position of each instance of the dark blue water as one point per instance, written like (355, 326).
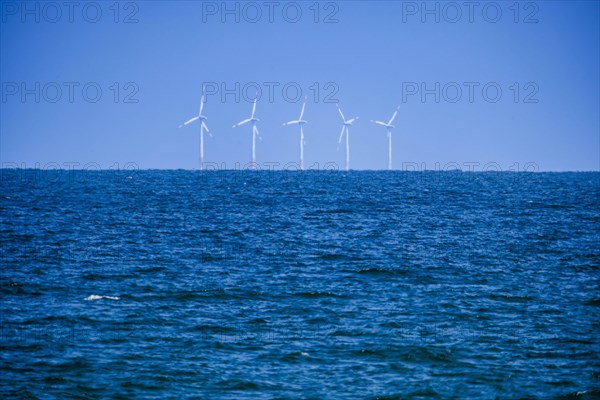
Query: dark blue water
(252, 285)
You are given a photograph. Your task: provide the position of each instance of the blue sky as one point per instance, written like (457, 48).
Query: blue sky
(370, 57)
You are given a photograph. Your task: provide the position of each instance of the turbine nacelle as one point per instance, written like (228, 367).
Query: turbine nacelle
(388, 124)
(198, 117)
(350, 121)
(345, 122)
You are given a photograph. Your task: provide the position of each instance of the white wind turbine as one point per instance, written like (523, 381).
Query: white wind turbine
(389, 128)
(203, 128)
(255, 133)
(345, 125)
(300, 122)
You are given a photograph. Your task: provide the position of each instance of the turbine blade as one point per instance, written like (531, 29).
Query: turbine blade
(201, 103)
(352, 120)
(254, 107)
(257, 133)
(302, 112)
(205, 127)
(394, 116)
(188, 122)
(341, 113)
(379, 123)
(291, 123)
(243, 122)
(341, 135)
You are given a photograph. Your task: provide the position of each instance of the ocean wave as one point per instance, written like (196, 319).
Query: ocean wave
(98, 297)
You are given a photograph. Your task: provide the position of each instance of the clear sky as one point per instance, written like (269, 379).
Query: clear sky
(150, 58)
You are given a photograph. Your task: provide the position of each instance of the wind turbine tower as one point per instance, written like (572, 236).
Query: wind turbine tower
(203, 128)
(345, 125)
(255, 133)
(389, 127)
(300, 122)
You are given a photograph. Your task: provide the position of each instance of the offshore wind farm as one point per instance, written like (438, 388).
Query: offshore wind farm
(301, 122)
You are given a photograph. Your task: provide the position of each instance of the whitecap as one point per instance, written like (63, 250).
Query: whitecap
(96, 297)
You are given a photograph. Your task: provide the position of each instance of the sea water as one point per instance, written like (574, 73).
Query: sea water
(321, 284)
